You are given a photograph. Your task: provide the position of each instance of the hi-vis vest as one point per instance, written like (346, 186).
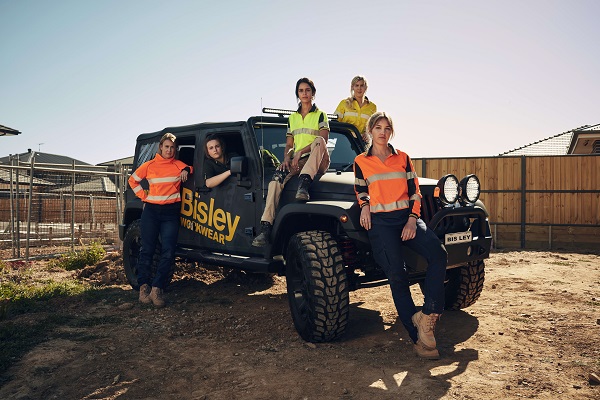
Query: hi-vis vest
(304, 130)
(163, 176)
(388, 186)
(354, 114)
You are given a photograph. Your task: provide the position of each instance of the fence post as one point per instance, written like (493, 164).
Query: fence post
(523, 198)
(63, 207)
(121, 179)
(118, 190)
(73, 207)
(18, 210)
(29, 201)
(93, 214)
(12, 212)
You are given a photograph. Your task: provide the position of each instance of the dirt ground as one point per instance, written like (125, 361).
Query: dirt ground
(534, 333)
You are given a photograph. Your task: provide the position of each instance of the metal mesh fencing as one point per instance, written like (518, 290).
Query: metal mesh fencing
(43, 206)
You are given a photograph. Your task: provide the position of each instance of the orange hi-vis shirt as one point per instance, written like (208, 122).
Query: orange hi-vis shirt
(163, 176)
(387, 186)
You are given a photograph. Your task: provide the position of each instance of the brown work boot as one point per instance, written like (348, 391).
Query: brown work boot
(265, 232)
(426, 327)
(426, 352)
(144, 293)
(157, 297)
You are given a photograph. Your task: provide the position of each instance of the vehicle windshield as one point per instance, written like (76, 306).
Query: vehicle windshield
(342, 149)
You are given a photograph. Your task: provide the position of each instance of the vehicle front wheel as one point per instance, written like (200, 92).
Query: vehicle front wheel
(464, 285)
(317, 286)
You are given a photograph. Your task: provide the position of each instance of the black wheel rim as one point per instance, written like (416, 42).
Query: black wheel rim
(299, 291)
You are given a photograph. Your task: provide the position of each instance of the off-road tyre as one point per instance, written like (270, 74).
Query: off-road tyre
(132, 243)
(317, 286)
(464, 285)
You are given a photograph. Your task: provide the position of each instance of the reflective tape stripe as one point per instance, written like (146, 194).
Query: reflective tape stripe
(167, 179)
(416, 197)
(362, 195)
(305, 131)
(350, 114)
(386, 176)
(163, 198)
(365, 116)
(360, 182)
(137, 178)
(411, 175)
(137, 189)
(390, 206)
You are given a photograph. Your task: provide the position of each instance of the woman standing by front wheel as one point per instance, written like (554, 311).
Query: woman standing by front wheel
(160, 217)
(388, 193)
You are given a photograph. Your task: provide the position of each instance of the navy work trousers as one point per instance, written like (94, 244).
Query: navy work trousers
(386, 243)
(158, 220)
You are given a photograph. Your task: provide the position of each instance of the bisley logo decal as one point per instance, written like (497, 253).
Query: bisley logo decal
(214, 223)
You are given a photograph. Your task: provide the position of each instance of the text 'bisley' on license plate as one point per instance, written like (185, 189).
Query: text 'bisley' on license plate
(459, 237)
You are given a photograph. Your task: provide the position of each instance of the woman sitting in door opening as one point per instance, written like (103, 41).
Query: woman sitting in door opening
(216, 163)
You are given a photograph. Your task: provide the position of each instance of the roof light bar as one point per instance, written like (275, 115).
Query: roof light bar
(284, 113)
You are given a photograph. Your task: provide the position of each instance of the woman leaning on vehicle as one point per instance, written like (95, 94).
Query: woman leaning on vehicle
(388, 193)
(160, 217)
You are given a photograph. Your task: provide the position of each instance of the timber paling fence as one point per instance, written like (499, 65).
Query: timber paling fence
(535, 202)
(49, 205)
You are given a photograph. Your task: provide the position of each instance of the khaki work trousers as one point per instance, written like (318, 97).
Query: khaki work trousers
(317, 162)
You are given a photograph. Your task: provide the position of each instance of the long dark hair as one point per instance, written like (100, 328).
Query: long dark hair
(309, 83)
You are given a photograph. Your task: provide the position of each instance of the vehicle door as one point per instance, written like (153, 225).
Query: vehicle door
(219, 219)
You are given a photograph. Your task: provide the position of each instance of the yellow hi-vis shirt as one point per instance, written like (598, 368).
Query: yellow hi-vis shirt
(304, 130)
(354, 114)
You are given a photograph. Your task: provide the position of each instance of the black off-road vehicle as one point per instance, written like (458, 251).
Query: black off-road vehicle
(319, 245)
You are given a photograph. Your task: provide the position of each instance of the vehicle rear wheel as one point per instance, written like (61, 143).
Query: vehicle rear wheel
(132, 244)
(317, 286)
(464, 285)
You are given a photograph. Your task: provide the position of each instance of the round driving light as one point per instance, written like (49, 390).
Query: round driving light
(343, 218)
(448, 186)
(469, 251)
(469, 189)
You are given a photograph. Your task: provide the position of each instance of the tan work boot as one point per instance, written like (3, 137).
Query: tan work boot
(426, 328)
(144, 293)
(426, 352)
(157, 297)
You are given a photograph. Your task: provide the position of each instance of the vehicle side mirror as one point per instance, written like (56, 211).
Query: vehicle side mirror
(239, 168)
(239, 165)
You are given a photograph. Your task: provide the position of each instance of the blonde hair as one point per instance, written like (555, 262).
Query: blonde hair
(375, 118)
(354, 81)
(167, 136)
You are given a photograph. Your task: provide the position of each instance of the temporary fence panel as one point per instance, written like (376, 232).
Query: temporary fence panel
(50, 205)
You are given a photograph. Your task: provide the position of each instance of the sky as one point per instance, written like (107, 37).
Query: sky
(461, 78)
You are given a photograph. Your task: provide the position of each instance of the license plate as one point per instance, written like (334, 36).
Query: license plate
(459, 237)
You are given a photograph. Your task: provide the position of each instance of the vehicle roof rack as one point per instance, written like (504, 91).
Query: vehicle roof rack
(284, 113)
